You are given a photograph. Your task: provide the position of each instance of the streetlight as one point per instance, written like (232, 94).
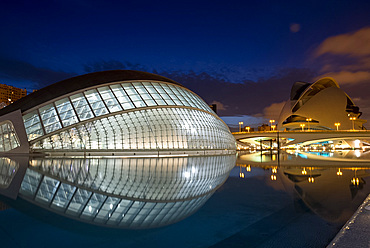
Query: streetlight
(248, 128)
(271, 122)
(302, 126)
(337, 124)
(308, 123)
(353, 122)
(273, 127)
(240, 125)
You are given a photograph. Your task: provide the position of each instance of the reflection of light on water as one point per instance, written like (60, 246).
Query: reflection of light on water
(357, 153)
(357, 143)
(102, 195)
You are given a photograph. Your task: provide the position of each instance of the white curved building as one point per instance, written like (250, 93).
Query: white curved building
(319, 106)
(113, 112)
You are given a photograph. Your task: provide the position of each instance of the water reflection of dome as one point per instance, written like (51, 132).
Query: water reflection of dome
(332, 188)
(332, 197)
(124, 193)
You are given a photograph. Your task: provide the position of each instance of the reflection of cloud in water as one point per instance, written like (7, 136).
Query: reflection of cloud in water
(124, 192)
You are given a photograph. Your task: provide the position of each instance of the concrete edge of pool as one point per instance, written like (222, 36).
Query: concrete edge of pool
(356, 232)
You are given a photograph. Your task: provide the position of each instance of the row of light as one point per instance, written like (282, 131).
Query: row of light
(337, 124)
(355, 180)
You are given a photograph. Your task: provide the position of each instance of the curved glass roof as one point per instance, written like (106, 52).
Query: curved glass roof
(106, 100)
(79, 83)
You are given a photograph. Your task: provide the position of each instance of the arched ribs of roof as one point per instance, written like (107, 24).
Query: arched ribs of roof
(312, 90)
(78, 83)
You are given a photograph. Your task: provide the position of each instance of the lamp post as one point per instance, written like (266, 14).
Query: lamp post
(308, 123)
(273, 127)
(271, 122)
(302, 126)
(353, 118)
(248, 128)
(337, 124)
(240, 125)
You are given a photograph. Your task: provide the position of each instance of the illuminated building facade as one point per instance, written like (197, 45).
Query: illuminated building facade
(122, 149)
(110, 113)
(319, 106)
(10, 94)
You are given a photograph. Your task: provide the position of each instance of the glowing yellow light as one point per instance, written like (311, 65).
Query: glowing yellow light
(273, 177)
(353, 118)
(248, 168)
(339, 173)
(302, 126)
(311, 179)
(337, 124)
(304, 172)
(248, 128)
(240, 125)
(308, 122)
(273, 157)
(274, 170)
(355, 181)
(241, 175)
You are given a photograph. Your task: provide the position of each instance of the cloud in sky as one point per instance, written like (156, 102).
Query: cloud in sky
(345, 57)
(273, 111)
(17, 70)
(251, 98)
(356, 44)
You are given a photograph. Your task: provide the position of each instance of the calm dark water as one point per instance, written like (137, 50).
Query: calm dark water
(266, 202)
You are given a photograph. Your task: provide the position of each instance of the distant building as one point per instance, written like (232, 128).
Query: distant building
(213, 107)
(319, 106)
(10, 94)
(264, 127)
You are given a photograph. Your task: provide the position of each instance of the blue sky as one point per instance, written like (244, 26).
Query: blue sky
(242, 55)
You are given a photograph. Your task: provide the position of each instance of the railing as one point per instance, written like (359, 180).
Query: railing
(305, 131)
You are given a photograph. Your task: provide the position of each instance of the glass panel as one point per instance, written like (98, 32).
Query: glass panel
(134, 95)
(109, 99)
(66, 112)
(81, 106)
(49, 118)
(63, 196)
(47, 189)
(122, 97)
(96, 102)
(33, 125)
(8, 138)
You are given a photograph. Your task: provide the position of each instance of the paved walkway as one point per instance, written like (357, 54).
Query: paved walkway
(356, 232)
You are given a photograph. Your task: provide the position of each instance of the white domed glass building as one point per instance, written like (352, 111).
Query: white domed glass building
(113, 112)
(319, 106)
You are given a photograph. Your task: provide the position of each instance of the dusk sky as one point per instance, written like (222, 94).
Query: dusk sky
(242, 55)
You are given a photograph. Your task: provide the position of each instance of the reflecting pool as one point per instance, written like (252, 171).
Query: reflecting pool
(291, 199)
